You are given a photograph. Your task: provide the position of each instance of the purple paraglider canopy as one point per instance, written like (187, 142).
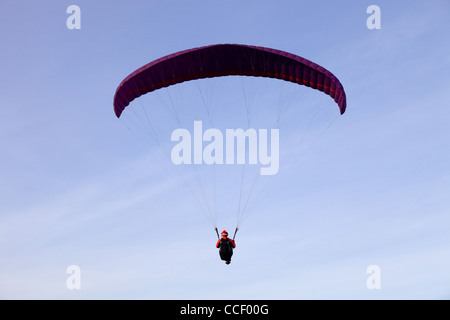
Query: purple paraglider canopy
(227, 60)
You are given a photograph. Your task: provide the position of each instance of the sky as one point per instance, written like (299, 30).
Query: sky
(78, 188)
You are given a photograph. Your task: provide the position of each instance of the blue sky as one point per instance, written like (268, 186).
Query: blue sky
(78, 188)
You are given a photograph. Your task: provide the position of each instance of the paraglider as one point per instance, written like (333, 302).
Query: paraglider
(226, 60)
(226, 246)
(219, 61)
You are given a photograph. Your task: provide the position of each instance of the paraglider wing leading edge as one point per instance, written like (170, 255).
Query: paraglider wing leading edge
(227, 60)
